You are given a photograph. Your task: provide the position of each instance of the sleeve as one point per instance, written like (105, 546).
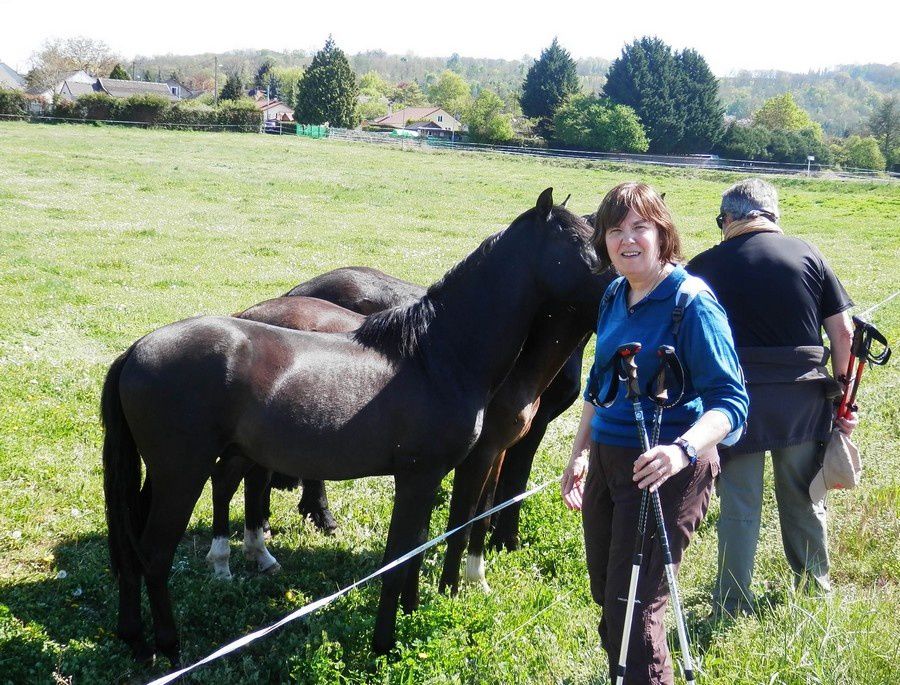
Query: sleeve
(711, 361)
(834, 298)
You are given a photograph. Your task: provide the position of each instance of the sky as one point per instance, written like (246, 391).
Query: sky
(764, 34)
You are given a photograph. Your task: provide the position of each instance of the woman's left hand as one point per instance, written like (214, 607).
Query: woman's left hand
(657, 465)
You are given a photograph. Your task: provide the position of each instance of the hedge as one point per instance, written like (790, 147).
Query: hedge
(155, 110)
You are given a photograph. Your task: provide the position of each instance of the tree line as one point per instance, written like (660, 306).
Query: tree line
(649, 99)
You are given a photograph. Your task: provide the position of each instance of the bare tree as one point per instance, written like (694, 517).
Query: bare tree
(60, 57)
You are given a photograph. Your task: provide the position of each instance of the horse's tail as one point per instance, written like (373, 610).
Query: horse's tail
(121, 477)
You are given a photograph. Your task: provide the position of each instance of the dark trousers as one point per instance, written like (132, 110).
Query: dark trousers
(610, 514)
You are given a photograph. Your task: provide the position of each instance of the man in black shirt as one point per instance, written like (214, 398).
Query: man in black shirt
(778, 292)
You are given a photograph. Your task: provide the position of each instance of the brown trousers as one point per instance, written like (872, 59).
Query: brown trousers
(609, 515)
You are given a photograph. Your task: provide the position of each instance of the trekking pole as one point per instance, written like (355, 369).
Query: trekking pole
(861, 352)
(628, 372)
(632, 391)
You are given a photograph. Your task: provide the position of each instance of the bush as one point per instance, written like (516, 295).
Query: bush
(66, 109)
(598, 124)
(862, 153)
(191, 114)
(13, 102)
(147, 108)
(243, 114)
(98, 107)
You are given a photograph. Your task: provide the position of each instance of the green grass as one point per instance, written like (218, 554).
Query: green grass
(108, 233)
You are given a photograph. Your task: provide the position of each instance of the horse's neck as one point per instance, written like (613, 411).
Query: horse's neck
(482, 318)
(551, 341)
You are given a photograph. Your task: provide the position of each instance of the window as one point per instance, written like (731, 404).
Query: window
(440, 117)
(175, 90)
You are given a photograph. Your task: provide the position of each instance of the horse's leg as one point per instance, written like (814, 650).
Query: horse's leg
(256, 485)
(468, 484)
(413, 501)
(475, 557)
(558, 397)
(226, 477)
(314, 505)
(129, 627)
(174, 498)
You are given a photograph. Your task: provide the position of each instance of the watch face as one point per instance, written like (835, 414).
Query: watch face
(687, 447)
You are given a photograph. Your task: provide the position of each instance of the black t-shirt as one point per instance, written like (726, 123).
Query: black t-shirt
(776, 289)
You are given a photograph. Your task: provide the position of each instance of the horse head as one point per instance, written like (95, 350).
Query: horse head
(568, 267)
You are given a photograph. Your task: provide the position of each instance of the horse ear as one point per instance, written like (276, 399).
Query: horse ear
(663, 197)
(566, 201)
(545, 204)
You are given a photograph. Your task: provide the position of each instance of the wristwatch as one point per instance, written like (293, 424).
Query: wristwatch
(689, 450)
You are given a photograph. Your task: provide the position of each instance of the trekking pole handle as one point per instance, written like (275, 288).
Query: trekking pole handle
(864, 334)
(628, 370)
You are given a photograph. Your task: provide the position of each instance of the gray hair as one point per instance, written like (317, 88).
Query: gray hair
(751, 198)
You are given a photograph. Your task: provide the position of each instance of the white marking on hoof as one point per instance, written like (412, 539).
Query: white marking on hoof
(255, 549)
(475, 572)
(218, 556)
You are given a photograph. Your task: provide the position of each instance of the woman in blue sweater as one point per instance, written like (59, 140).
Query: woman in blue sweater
(634, 230)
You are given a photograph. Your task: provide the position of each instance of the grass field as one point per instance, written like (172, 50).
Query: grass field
(108, 233)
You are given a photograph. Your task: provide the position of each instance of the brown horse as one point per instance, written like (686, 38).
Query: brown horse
(302, 314)
(411, 384)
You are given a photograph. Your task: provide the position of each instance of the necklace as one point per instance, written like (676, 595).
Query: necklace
(659, 278)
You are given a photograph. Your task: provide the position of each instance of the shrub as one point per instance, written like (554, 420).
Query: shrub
(243, 114)
(66, 109)
(147, 108)
(98, 106)
(191, 114)
(597, 124)
(863, 153)
(13, 102)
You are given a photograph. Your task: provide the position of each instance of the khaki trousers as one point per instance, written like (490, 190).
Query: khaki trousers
(803, 529)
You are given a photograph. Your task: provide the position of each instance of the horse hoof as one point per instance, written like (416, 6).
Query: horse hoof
(271, 569)
(382, 647)
(140, 651)
(171, 652)
(222, 574)
(322, 519)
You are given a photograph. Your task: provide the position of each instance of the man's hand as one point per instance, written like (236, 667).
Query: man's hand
(847, 424)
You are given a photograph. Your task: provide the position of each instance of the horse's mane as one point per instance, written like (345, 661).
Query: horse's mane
(400, 331)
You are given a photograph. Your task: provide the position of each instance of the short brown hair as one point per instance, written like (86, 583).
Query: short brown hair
(649, 205)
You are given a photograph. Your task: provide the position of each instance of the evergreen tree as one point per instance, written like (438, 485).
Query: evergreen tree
(550, 81)
(233, 88)
(884, 125)
(328, 91)
(119, 73)
(646, 78)
(698, 103)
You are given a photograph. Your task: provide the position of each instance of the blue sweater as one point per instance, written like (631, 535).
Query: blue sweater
(704, 346)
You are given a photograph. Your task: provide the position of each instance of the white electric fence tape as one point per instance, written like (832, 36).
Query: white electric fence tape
(883, 302)
(319, 603)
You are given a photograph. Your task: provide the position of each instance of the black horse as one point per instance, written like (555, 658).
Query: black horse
(365, 290)
(411, 384)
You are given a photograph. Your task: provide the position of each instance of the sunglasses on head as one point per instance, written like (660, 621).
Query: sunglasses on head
(720, 220)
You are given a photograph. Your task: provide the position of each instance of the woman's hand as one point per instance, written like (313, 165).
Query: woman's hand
(847, 424)
(656, 466)
(572, 483)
